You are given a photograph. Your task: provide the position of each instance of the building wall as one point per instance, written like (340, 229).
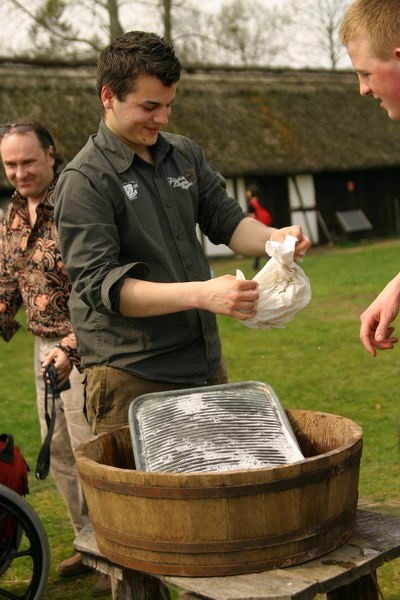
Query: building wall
(303, 205)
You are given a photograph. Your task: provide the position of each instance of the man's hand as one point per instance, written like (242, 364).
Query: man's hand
(376, 321)
(61, 362)
(303, 242)
(229, 296)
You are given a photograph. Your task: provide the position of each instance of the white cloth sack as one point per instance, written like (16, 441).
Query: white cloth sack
(284, 287)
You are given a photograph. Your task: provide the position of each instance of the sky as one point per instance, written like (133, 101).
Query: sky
(15, 26)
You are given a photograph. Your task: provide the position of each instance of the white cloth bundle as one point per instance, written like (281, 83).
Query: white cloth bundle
(284, 287)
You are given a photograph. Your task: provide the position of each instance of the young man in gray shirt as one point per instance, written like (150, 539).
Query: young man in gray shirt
(143, 303)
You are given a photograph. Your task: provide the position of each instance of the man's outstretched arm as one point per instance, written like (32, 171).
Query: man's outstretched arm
(376, 321)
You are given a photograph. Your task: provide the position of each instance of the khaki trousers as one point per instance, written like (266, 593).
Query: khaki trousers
(71, 429)
(110, 391)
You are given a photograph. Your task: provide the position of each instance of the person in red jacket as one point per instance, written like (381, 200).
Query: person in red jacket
(256, 207)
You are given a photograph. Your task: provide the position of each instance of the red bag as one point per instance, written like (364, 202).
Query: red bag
(14, 475)
(13, 467)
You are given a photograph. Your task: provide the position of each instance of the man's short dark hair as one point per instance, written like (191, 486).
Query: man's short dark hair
(131, 55)
(254, 189)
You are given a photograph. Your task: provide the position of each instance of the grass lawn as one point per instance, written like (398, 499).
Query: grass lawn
(316, 362)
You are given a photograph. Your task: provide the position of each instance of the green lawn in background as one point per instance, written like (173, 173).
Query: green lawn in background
(316, 362)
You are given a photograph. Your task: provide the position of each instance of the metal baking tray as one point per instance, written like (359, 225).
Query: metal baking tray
(215, 428)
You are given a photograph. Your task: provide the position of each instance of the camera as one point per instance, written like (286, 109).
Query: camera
(50, 376)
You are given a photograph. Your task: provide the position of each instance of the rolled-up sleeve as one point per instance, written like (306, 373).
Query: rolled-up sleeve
(89, 241)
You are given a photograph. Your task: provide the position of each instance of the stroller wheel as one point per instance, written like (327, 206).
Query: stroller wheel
(23, 548)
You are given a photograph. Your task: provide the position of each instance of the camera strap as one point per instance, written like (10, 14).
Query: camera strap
(43, 459)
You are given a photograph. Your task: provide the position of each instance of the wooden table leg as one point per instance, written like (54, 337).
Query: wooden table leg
(138, 586)
(365, 588)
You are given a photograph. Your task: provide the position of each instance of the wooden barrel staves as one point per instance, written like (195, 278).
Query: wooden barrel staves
(225, 523)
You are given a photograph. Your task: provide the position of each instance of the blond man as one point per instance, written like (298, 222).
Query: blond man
(370, 31)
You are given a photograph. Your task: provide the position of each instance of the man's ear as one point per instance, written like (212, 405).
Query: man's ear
(397, 52)
(107, 96)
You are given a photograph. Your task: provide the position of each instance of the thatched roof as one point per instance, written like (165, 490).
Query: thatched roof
(249, 121)
(274, 122)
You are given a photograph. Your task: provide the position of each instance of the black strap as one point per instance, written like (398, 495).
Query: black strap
(43, 459)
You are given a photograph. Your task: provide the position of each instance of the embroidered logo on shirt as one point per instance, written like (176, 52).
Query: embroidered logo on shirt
(131, 190)
(180, 182)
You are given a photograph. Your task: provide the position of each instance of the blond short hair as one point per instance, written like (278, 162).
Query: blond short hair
(376, 20)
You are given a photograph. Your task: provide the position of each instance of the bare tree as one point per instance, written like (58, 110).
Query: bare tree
(240, 33)
(63, 27)
(166, 11)
(52, 31)
(251, 33)
(316, 25)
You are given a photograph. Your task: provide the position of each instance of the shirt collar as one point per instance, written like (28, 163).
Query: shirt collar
(119, 154)
(48, 200)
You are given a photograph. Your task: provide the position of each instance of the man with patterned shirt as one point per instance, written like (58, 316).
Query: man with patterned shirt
(32, 275)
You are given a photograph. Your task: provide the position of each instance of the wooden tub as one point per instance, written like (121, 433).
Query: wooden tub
(230, 522)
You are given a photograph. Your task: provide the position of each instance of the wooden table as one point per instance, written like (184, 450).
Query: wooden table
(348, 573)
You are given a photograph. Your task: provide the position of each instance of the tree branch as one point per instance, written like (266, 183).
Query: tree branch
(75, 38)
